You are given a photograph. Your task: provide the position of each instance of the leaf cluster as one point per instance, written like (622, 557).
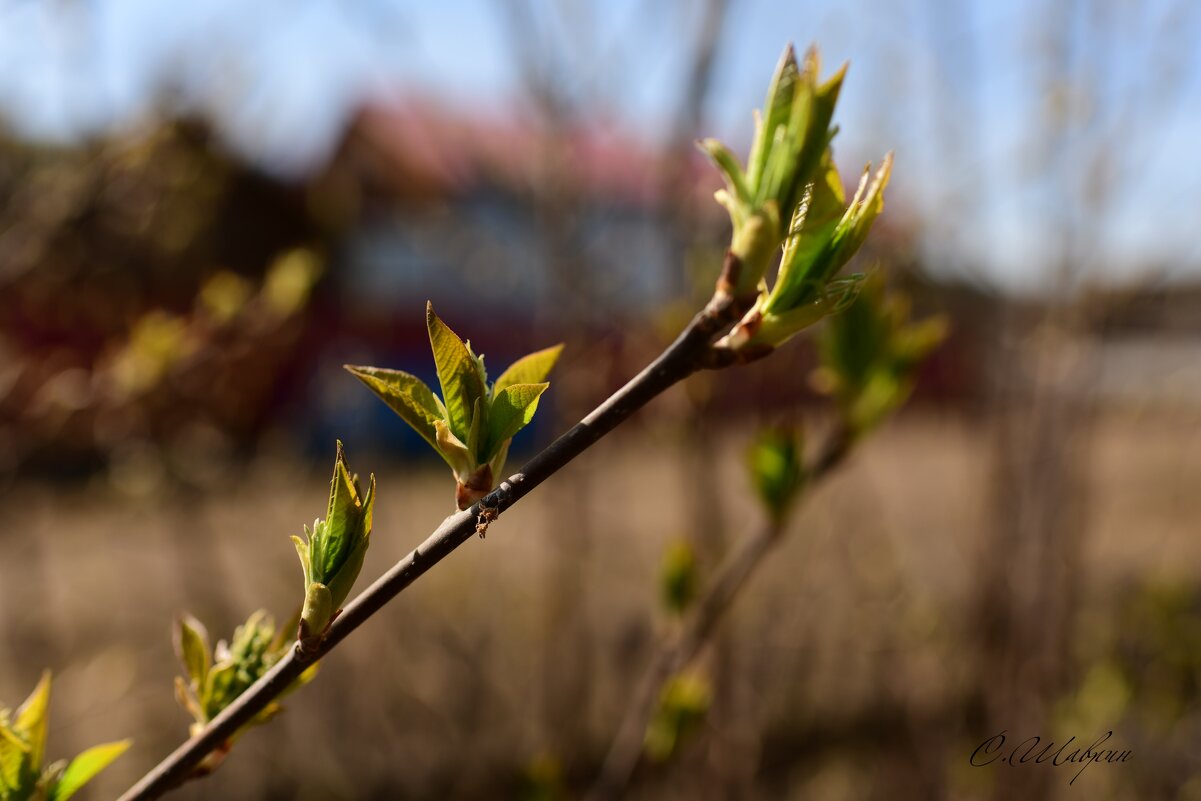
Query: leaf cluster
(791, 195)
(216, 675)
(472, 423)
(792, 138)
(23, 748)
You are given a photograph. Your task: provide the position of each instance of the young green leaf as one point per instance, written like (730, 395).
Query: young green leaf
(808, 242)
(218, 687)
(14, 763)
(473, 435)
(820, 250)
(778, 328)
(864, 209)
(85, 767)
(460, 373)
(815, 132)
(342, 517)
(192, 648)
(777, 108)
(531, 369)
(405, 394)
(343, 580)
(302, 550)
(512, 410)
(730, 169)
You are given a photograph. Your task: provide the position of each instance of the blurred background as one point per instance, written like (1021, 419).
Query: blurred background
(206, 208)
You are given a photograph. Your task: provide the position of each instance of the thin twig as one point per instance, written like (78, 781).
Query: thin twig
(682, 358)
(732, 575)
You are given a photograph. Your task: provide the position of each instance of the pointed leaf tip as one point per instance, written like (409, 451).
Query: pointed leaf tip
(730, 169)
(459, 373)
(813, 58)
(32, 720)
(532, 368)
(788, 56)
(885, 171)
(832, 87)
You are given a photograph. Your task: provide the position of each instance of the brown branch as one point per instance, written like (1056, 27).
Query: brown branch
(682, 358)
(732, 576)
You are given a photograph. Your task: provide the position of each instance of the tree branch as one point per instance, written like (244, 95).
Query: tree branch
(682, 358)
(732, 575)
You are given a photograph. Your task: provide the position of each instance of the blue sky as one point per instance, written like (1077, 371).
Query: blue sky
(1007, 162)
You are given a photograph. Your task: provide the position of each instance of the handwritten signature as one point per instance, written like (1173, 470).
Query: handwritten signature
(1027, 752)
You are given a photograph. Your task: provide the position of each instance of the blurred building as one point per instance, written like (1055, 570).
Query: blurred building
(516, 229)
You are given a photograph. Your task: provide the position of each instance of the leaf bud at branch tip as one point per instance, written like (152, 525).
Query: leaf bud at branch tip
(332, 553)
(473, 422)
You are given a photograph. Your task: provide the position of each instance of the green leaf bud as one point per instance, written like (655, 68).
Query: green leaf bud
(332, 553)
(776, 469)
(822, 238)
(792, 138)
(473, 422)
(683, 703)
(678, 577)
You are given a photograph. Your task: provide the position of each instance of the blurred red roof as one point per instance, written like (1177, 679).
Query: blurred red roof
(418, 149)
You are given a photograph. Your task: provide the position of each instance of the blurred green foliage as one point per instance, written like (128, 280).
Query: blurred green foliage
(683, 703)
(23, 748)
(870, 354)
(151, 285)
(777, 471)
(543, 780)
(678, 579)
